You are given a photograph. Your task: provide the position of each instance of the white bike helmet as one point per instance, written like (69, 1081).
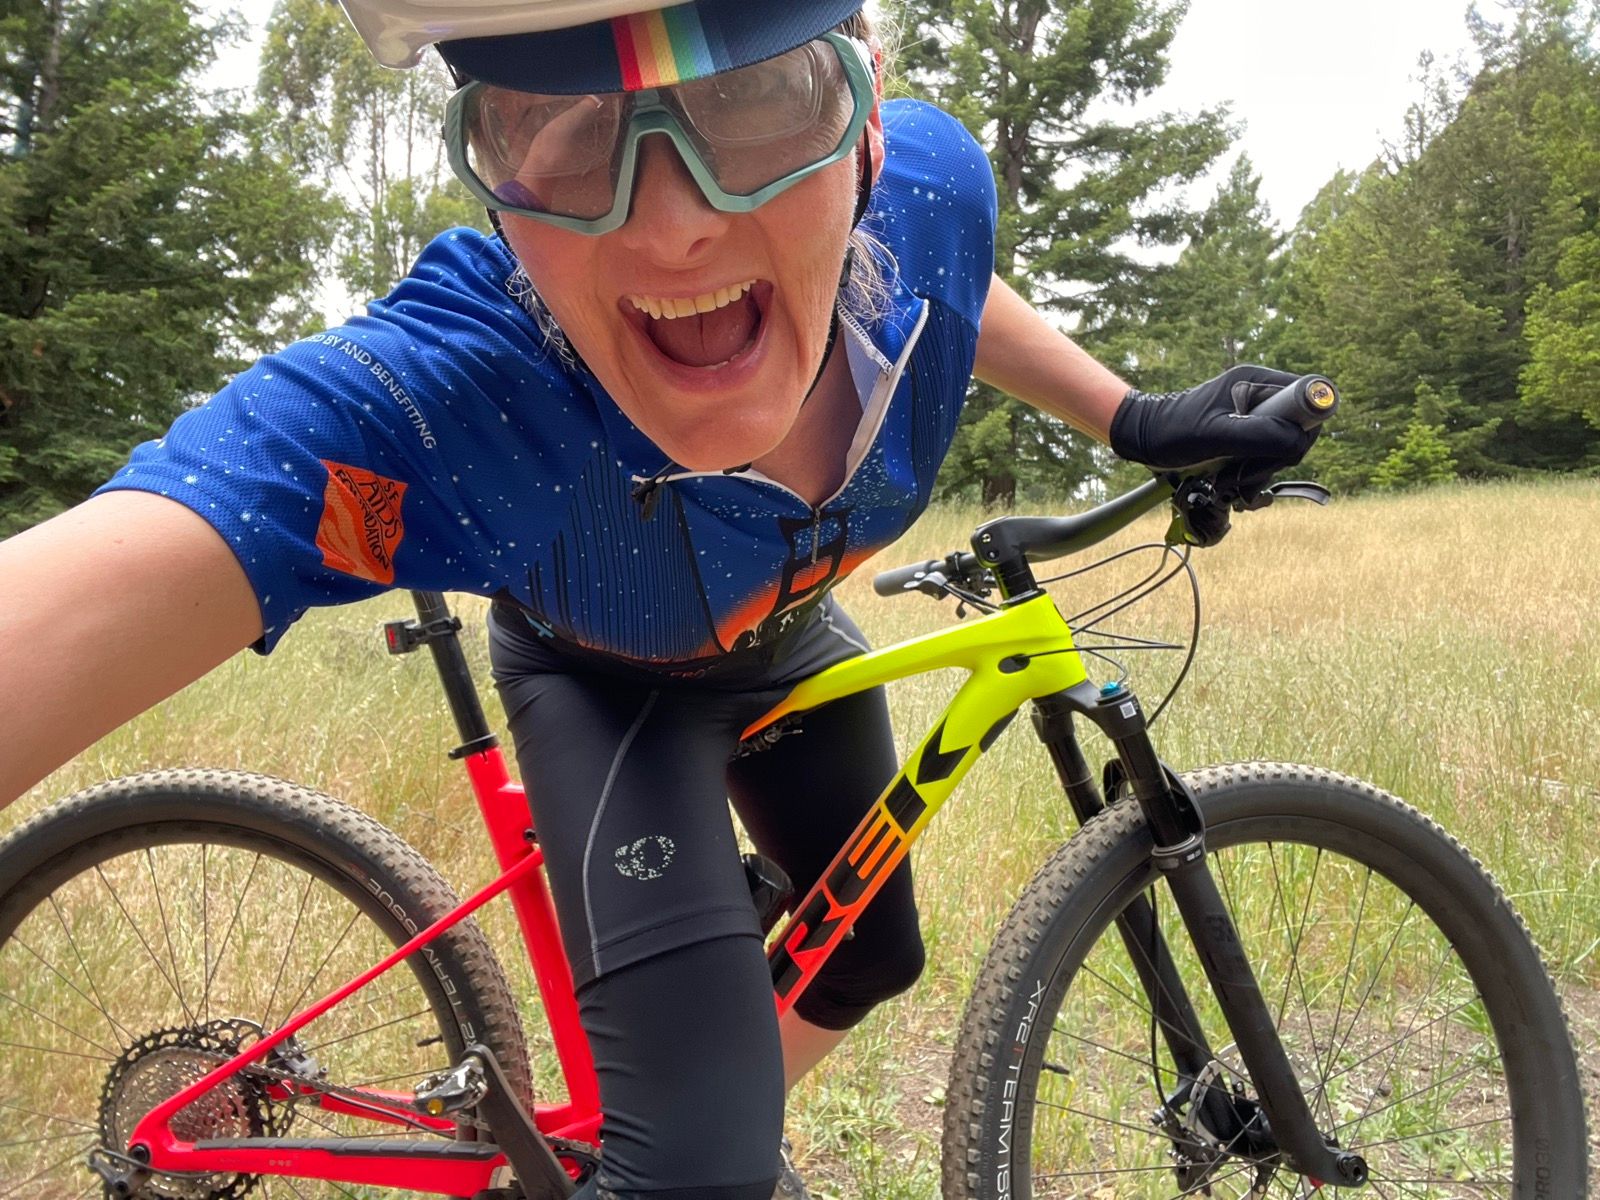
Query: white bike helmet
(589, 45)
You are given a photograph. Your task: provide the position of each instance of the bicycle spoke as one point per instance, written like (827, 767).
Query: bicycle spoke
(9, 1107)
(1394, 939)
(177, 971)
(36, 1139)
(1394, 1141)
(1403, 1038)
(1434, 1086)
(205, 930)
(1468, 1183)
(1389, 1066)
(1349, 965)
(138, 933)
(59, 1053)
(1142, 1007)
(1295, 973)
(1148, 1131)
(98, 1002)
(346, 1037)
(238, 906)
(288, 952)
(28, 1008)
(19, 1189)
(1112, 1050)
(294, 1005)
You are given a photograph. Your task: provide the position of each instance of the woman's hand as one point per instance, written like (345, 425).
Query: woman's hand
(1212, 422)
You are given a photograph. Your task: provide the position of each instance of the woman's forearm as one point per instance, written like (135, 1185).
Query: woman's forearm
(1022, 354)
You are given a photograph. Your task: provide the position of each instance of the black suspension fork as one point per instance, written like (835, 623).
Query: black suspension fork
(1179, 853)
(1141, 935)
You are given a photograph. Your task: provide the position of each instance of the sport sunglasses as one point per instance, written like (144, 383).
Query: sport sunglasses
(745, 135)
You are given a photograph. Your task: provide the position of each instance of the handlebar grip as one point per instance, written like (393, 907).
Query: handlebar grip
(1308, 402)
(897, 581)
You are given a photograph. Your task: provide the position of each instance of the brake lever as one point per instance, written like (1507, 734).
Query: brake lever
(1289, 489)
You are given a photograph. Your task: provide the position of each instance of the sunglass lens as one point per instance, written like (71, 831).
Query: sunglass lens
(761, 123)
(553, 154)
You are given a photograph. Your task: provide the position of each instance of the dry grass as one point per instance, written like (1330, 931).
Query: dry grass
(1443, 645)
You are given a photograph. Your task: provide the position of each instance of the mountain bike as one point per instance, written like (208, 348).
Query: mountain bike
(1248, 980)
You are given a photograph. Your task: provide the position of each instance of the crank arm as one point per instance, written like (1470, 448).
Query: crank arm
(538, 1170)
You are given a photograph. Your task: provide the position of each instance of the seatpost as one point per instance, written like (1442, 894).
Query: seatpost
(438, 628)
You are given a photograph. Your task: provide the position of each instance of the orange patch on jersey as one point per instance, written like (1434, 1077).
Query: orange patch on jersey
(361, 526)
(764, 604)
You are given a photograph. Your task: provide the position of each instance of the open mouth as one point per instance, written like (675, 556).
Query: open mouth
(709, 331)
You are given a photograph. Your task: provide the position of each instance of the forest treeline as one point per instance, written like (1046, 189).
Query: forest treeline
(157, 233)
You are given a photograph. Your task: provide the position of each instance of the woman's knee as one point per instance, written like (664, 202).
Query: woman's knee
(855, 981)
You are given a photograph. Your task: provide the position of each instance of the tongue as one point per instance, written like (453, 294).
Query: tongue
(706, 339)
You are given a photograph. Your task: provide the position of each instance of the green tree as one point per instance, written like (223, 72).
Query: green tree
(372, 132)
(1563, 327)
(1418, 276)
(1081, 186)
(148, 243)
(1210, 311)
(1421, 458)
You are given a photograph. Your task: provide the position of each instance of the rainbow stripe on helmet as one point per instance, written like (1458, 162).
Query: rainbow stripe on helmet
(661, 48)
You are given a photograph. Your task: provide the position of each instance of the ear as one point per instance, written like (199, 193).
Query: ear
(874, 130)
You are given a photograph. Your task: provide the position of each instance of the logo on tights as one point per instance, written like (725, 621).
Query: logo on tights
(647, 858)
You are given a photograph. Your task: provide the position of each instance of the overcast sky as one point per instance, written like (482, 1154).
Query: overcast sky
(1317, 86)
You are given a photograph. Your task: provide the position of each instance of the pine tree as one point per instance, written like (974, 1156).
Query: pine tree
(1210, 310)
(1036, 80)
(1446, 266)
(148, 243)
(371, 132)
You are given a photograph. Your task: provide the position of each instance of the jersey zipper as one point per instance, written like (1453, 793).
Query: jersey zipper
(646, 488)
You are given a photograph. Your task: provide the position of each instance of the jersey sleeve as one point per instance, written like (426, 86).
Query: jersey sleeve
(935, 206)
(326, 466)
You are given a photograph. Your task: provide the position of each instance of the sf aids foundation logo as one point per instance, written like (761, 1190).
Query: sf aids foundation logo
(647, 858)
(361, 527)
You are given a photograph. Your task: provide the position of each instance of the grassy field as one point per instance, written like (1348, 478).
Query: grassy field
(1445, 646)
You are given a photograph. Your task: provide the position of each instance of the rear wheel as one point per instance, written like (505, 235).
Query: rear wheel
(153, 926)
(1412, 1003)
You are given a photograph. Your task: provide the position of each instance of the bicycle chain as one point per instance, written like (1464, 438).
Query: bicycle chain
(227, 1038)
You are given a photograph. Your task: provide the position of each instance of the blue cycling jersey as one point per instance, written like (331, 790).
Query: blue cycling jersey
(440, 443)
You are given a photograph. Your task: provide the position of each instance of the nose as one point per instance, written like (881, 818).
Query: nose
(670, 219)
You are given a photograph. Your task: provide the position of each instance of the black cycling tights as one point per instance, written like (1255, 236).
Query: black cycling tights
(629, 776)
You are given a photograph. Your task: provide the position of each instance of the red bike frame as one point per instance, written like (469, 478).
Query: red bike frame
(820, 922)
(505, 814)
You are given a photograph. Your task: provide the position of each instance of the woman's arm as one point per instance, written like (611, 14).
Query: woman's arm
(1019, 352)
(105, 610)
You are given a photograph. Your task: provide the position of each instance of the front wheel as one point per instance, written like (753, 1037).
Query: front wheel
(1413, 1005)
(152, 927)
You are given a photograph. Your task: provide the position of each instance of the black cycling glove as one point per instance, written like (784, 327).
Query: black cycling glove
(1171, 430)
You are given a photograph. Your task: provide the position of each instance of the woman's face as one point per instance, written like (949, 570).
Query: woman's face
(719, 384)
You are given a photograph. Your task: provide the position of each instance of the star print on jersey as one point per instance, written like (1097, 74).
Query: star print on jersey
(515, 469)
(360, 529)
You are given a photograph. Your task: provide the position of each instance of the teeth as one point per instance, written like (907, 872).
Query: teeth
(670, 309)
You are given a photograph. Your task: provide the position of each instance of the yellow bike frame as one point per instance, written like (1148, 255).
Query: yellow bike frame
(1020, 653)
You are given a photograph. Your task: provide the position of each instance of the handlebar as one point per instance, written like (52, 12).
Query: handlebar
(931, 577)
(1308, 402)
(905, 579)
(1008, 544)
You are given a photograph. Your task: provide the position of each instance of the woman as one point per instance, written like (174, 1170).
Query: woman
(710, 364)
